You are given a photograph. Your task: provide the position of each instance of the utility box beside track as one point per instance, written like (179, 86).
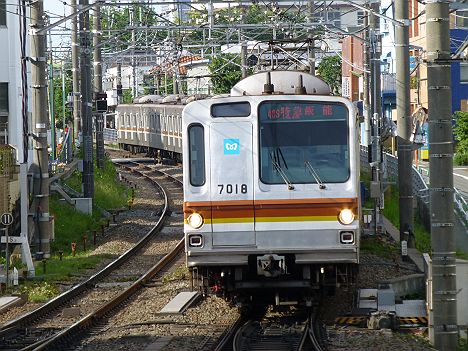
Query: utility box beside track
(9, 182)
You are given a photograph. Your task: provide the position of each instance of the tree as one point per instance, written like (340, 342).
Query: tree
(58, 99)
(226, 72)
(461, 135)
(329, 70)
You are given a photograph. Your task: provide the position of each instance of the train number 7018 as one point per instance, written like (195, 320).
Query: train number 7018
(232, 188)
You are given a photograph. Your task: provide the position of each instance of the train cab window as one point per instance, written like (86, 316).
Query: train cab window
(303, 142)
(231, 109)
(196, 136)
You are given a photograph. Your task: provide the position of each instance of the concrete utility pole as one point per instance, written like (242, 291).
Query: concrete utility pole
(86, 105)
(376, 110)
(98, 84)
(244, 59)
(134, 82)
(365, 99)
(119, 83)
(40, 127)
(444, 290)
(75, 74)
(311, 43)
(405, 151)
(53, 133)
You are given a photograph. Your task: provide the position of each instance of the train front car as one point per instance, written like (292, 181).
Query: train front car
(271, 190)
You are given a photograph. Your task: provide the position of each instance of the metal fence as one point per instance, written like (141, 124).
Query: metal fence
(420, 189)
(110, 135)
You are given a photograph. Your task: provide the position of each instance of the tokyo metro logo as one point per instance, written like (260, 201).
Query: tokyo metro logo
(231, 146)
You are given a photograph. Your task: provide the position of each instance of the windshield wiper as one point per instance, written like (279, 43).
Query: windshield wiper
(314, 174)
(281, 173)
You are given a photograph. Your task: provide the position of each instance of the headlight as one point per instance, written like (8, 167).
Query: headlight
(195, 220)
(346, 216)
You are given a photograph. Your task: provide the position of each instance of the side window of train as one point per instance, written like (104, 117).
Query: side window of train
(196, 135)
(231, 109)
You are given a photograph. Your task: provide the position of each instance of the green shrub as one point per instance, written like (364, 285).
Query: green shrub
(461, 159)
(40, 292)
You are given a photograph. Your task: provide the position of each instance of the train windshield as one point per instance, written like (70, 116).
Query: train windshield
(303, 142)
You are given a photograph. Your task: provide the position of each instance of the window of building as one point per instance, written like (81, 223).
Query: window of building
(196, 136)
(464, 72)
(360, 18)
(3, 113)
(2, 12)
(3, 97)
(461, 19)
(331, 18)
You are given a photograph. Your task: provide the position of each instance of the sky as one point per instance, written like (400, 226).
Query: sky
(56, 9)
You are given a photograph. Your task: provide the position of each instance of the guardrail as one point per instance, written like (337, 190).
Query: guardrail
(461, 206)
(110, 134)
(420, 188)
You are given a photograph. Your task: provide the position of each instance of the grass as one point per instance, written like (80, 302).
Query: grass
(462, 344)
(379, 247)
(71, 226)
(108, 193)
(56, 270)
(178, 274)
(392, 213)
(39, 291)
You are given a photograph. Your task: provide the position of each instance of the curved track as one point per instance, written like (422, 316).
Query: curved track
(23, 333)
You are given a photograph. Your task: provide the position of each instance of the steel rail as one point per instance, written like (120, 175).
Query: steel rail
(313, 328)
(87, 322)
(63, 298)
(229, 334)
(91, 319)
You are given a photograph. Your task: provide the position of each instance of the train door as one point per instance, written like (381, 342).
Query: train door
(231, 168)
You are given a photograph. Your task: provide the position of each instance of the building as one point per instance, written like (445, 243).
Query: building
(458, 40)
(418, 66)
(11, 105)
(10, 78)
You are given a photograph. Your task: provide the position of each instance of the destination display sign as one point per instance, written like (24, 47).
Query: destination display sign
(282, 111)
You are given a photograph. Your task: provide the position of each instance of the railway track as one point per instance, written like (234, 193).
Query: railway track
(33, 331)
(273, 332)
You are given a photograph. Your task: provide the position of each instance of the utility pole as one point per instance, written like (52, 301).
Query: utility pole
(404, 144)
(243, 45)
(75, 74)
(63, 94)
(98, 85)
(53, 133)
(40, 127)
(311, 42)
(119, 83)
(134, 82)
(376, 110)
(86, 105)
(365, 100)
(444, 290)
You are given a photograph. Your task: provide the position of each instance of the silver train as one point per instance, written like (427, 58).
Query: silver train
(151, 127)
(271, 190)
(271, 186)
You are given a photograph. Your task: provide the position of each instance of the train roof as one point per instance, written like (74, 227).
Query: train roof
(280, 82)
